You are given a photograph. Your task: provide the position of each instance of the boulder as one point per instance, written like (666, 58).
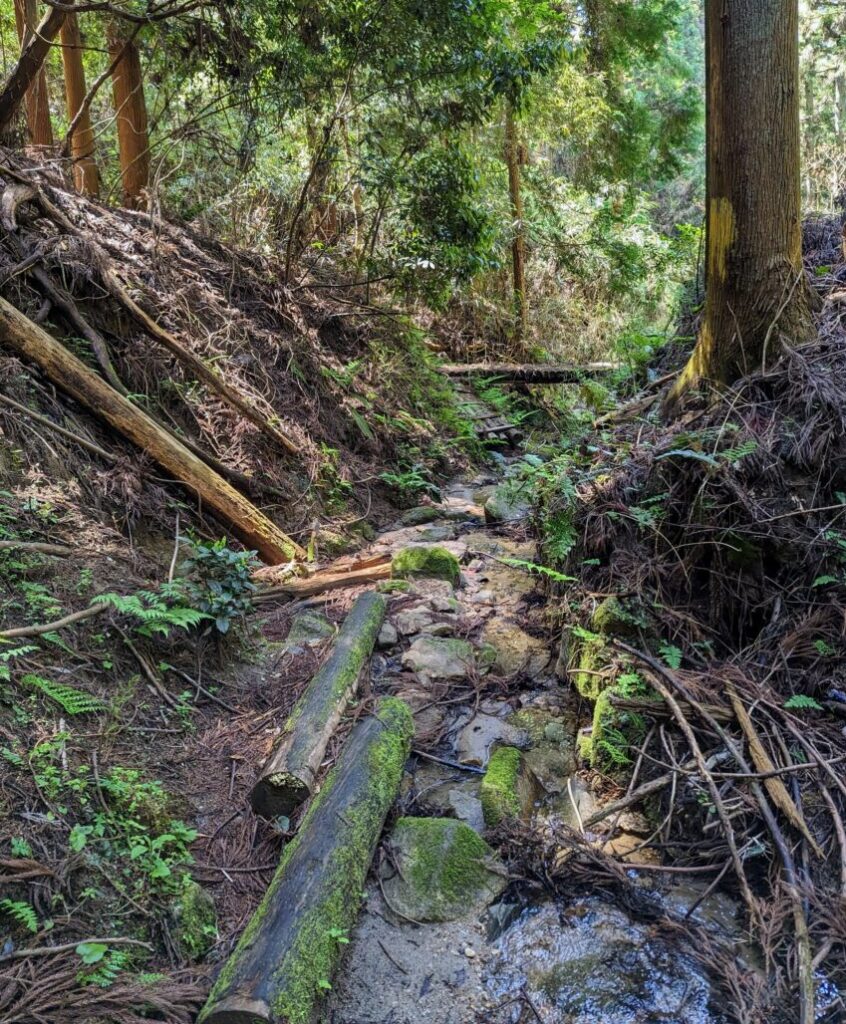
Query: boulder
(482, 733)
(516, 651)
(444, 870)
(506, 505)
(435, 562)
(435, 657)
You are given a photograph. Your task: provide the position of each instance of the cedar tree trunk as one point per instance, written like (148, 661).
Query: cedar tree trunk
(37, 99)
(757, 298)
(131, 109)
(515, 158)
(85, 175)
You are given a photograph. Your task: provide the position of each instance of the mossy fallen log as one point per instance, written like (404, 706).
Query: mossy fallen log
(291, 947)
(527, 373)
(289, 776)
(73, 377)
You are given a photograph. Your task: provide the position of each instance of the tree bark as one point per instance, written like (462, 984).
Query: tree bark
(30, 65)
(85, 174)
(131, 110)
(515, 158)
(37, 100)
(757, 297)
(291, 947)
(76, 379)
(290, 774)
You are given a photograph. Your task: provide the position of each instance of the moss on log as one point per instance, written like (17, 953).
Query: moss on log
(289, 776)
(290, 949)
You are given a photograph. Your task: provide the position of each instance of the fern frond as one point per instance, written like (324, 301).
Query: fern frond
(21, 912)
(72, 701)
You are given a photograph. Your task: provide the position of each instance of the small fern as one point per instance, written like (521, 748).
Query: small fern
(802, 702)
(72, 701)
(540, 570)
(21, 912)
(151, 612)
(6, 657)
(733, 455)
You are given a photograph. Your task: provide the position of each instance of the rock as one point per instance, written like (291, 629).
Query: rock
(478, 738)
(612, 618)
(551, 767)
(436, 562)
(507, 504)
(329, 542)
(439, 628)
(194, 921)
(420, 515)
(466, 806)
(507, 790)
(445, 870)
(393, 586)
(482, 597)
(309, 628)
(434, 657)
(436, 534)
(438, 594)
(413, 620)
(516, 651)
(388, 636)
(597, 966)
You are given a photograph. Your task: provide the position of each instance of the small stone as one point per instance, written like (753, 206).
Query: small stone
(470, 953)
(388, 636)
(413, 620)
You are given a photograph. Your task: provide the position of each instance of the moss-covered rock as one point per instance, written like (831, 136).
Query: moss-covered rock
(393, 586)
(420, 515)
(435, 562)
(309, 628)
(194, 928)
(507, 505)
(507, 790)
(445, 870)
(611, 617)
(436, 657)
(613, 733)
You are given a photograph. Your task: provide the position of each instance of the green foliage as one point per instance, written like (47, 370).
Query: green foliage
(151, 612)
(72, 701)
(539, 570)
(802, 702)
(217, 581)
(20, 912)
(671, 654)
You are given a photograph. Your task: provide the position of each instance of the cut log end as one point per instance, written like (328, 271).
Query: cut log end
(280, 794)
(238, 1010)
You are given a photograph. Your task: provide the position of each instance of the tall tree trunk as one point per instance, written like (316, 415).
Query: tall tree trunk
(757, 297)
(85, 175)
(515, 158)
(840, 105)
(24, 74)
(37, 99)
(131, 108)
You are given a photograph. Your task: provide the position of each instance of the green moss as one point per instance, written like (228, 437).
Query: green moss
(393, 586)
(584, 746)
(499, 790)
(613, 734)
(445, 869)
(305, 968)
(195, 920)
(434, 562)
(590, 679)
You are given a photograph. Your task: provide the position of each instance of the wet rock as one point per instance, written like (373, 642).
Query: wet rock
(481, 734)
(445, 870)
(550, 766)
(594, 965)
(433, 657)
(434, 562)
(388, 636)
(515, 650)
(436, 534)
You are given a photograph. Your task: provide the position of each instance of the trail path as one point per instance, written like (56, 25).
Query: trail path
(477, 664)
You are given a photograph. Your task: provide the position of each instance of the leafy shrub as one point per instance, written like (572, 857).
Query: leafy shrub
(217, 581)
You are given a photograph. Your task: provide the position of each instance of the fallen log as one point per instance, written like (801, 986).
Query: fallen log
(290, 774)
(290, 949)
(76, 379)
(527, 373)
(323, 582)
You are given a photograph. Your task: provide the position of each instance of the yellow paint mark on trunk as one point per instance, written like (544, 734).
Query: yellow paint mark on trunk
(721, 233)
